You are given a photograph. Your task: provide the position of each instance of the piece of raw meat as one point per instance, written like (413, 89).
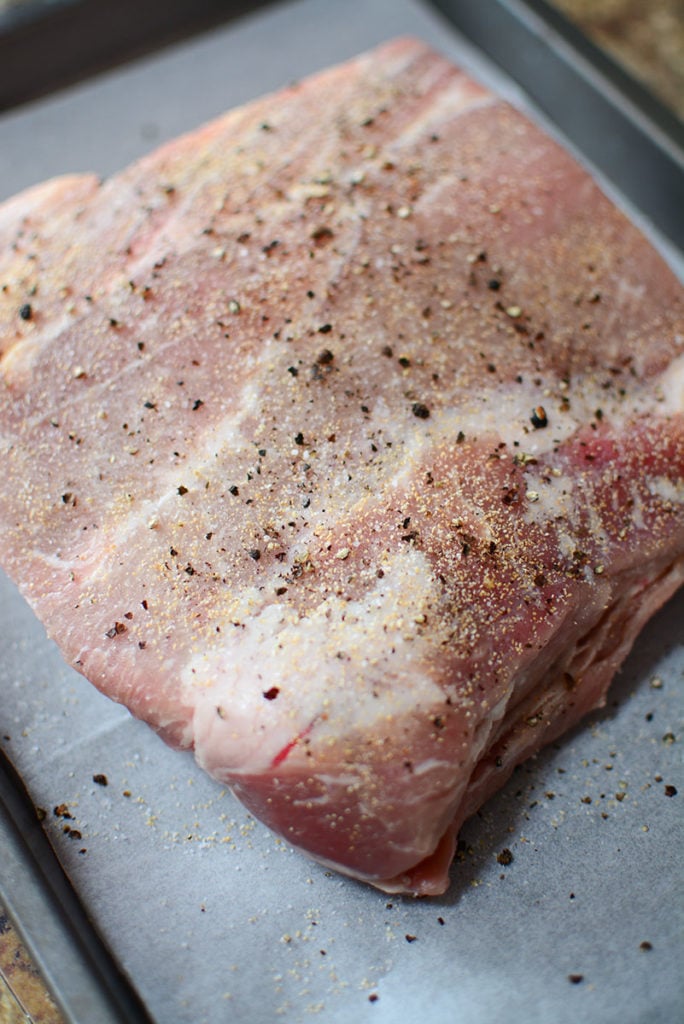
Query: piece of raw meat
(343, 442)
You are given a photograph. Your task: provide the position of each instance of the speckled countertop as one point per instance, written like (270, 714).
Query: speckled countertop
(23, 997)
(645, 36)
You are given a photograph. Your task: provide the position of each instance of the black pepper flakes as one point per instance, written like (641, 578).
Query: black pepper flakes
(539, 419)
(100, 780)
(420, 410)
(116, 630)
(322, 234)
(325, 357)
(505, 857)
(26, 311)
(575, 978)
(255, 554)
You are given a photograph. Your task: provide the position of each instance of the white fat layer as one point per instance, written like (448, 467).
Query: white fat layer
(332, 671)
(549, 498)
(19, 359)
(672, 387)
(458, 99)
(223, 436)
(668, 490)
(501, 412)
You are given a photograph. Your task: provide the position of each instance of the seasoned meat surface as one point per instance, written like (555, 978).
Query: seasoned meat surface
(343, 441)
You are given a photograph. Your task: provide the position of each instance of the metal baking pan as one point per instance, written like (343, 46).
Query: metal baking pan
(78, 969)
(234, 924)
(48, 44)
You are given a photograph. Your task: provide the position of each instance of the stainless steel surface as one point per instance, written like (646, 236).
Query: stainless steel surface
(212, 917)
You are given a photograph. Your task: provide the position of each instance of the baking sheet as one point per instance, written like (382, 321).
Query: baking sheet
(210, 915)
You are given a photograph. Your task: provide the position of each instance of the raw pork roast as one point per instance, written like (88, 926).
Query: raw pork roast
(343, 442)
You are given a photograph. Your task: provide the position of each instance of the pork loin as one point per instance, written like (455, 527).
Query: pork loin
(343, 442)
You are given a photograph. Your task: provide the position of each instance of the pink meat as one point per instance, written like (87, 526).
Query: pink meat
(343, 442)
